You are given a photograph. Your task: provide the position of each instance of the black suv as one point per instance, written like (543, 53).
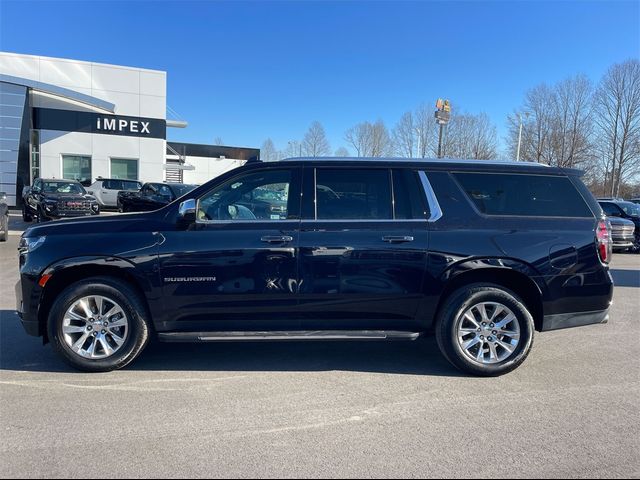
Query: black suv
(482, 253)
(50, 199)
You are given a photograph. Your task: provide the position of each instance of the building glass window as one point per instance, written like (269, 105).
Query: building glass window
(77, 167)
(124, 168)
(35, 155)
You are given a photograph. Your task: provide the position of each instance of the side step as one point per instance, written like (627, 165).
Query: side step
(281, 336)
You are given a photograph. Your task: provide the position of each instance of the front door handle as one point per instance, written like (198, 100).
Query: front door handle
(398, 239)
(277, 239)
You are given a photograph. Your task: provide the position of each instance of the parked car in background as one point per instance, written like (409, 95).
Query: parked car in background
(622, 233)
(4, 217)
(151, 196)
(481, 253)
(106, 190)
(49, 199)
(623, 209)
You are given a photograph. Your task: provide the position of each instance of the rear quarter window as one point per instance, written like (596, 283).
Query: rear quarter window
(523, 195)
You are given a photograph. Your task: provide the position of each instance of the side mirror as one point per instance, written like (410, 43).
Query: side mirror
(187, 210)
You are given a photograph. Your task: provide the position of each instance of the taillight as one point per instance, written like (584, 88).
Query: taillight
(603, 239)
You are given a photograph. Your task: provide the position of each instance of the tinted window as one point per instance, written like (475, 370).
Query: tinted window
(127, 185)
(345, 194)
(164, 191)
(528, 195)
(408, 195)
(182, 189)
(630, 208)
(112, 185)
(254, 196)
(610, 209)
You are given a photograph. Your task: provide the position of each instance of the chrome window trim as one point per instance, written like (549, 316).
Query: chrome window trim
(432, 200)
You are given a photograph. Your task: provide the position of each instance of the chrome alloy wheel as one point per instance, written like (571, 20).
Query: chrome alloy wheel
(488, 332)
(95, 327)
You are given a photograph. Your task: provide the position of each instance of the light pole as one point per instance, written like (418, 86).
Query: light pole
(293, 143)
(520, 134)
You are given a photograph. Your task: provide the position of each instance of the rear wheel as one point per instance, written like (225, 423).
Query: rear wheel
(485, 330)
(98, 324)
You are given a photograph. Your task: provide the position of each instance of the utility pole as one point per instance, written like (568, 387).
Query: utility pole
(443, 115)
(520, 134)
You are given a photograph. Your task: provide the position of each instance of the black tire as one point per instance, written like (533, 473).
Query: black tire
(133, 306)
(4, 228)
(450, 316)
(26, 217)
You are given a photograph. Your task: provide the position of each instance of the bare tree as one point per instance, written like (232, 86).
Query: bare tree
(315, 143)
(557, 124)
(426, 131)
(358, 137)
(342, 152)
(404, 136)
(617, 114)
(471, 137)
(268, 152)
(370, 139)
(218, 141)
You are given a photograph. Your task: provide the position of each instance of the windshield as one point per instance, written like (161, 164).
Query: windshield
(629, 208)
(182, 189)
(63, 187)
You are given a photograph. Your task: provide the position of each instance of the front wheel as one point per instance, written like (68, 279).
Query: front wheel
(485, 330)
(26, 217)
(98, 324)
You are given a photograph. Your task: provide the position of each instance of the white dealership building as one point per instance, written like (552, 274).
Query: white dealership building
(81, 120)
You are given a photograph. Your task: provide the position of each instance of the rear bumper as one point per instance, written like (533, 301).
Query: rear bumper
(570, 320)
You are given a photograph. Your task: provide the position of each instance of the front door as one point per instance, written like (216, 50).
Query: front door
(235, 269)
(362, 249)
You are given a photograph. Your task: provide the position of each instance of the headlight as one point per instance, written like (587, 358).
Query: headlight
(28, 245)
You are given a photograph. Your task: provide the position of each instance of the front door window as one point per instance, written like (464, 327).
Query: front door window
(261, 196)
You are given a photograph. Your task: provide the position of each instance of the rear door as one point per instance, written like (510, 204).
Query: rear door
(363, 242)
(109, 192)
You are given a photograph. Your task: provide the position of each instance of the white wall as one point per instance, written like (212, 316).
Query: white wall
(134, 91)
(101, 148)
(208, 168)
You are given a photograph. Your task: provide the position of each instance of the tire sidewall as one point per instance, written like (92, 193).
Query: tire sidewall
(137, 328)
(4, 228)
(475, 294)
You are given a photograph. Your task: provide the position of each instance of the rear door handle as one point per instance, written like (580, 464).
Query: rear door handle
(398, 239)
(277, 239)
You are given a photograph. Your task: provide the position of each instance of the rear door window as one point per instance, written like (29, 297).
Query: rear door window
(353, 194)
(408, 196)
(523, 195)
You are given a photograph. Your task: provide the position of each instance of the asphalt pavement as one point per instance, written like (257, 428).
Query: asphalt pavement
(325, 409)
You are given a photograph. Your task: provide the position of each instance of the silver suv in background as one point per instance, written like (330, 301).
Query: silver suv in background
(106, 190)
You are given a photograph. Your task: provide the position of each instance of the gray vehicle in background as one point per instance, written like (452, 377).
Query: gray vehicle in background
(4, 217)
(106, 190)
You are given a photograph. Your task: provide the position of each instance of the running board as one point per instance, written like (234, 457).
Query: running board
(290, 336)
